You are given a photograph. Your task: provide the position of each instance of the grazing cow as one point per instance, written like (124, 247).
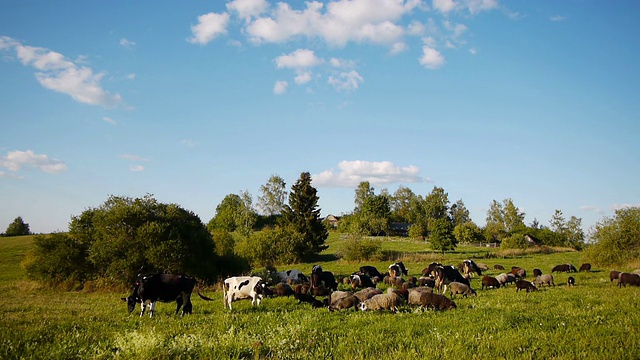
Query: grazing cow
(244, 287)
(361, 281)
(151, 288)
(537, 272)
(625, 279)
(613, 275)
(398, 269)
(525, 285)
(490, 282)
(319, 276)
(564, 268)
(447, 274)
(292, 277)
(430, 270)
(371, 271)
(585, 267)
(571, 281)
(469, 267)
(498, 267)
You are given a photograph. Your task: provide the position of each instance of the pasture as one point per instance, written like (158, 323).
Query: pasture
(593, 320)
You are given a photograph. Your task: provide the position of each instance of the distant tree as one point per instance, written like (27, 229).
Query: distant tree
(441, 236)
(503, 219)
(402, 204)
(302, 215)
(374, 215)
(467, 232)
(575, 235)
(226, 214)
(616, 239)
(58, 258)
(246, 216)
(436, 205)
(513, 217)
(274, 196)
(363, 192)
(17, 228)
(459, 213)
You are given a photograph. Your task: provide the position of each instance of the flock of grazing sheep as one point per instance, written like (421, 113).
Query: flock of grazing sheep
(359, 290)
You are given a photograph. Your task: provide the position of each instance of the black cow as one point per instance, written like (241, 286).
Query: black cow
(371, 271)
(151, 288)
(447, 274)
(319, 276)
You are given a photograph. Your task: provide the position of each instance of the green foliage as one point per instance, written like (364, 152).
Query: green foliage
(126, 235)
(418, 230)
(441, 236)
(17, 228)
(302, 215)
(468, 232)
(515, 241)
(274, 196)
(56, 258)
(359, 248)
(617, 239)
(270, 247)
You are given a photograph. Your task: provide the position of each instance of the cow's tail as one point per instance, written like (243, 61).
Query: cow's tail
(202, 296)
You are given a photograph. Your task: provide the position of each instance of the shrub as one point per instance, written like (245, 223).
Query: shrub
(358, 248)
(56, 258)
(516, 241)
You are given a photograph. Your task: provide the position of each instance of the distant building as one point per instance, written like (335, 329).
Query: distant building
(532, 241)
(333, 220)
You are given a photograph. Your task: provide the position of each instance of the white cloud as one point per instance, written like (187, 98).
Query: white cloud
(473, 6)
(431, 58)
(209, 27)
(303, 77)
(136, 168)
(301, 58)
(57, 73)
(351, 173)
(127, 43)
(109, 120)
(416, 28)
(557, 18)
(131, 77)
(15, 160)
(346, 81)
(189, 143)
(591, 208)
(444, 6)
(398, 48)
(337, 23)
(248, 9)
(473, 51)
(280, 87)
(130, 157)
(615, 207)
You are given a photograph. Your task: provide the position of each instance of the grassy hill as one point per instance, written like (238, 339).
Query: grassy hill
(593, 320)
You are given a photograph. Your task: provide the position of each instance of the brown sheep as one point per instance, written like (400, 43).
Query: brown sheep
(613, 275)
(525, 285)
(498, 267)
(429, 300)
(350, 301)
(585, 267)
(415, 293)
(460, 288)
(337, 295)
(367, 293)
(537, 272)
(490, 282)
(283, 289)
(628, 278)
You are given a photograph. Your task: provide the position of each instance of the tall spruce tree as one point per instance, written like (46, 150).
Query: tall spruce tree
(303, 216)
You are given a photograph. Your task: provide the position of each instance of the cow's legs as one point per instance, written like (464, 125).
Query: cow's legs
(152, 308)
(143, 307)
(188, 306)
(179, 302)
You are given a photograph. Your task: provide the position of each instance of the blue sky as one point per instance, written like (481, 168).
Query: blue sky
(536, 101)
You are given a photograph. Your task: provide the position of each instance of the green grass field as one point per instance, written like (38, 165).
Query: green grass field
(593, 320)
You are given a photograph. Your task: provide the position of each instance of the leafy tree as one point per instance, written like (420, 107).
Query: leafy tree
(617, 238)
(403, 205)
(467, 232)
(359, 248)
(374, 215)
(515, 241)
(513, 217)
(226, 214)
(274, 196)
(17, 228)
(459, 213)
(503, 219)
(303, 216)
(436, 205)
(271, 247)
(57, 258)
(441, 236)
(246, 216)
(575, 235)
(363, 192)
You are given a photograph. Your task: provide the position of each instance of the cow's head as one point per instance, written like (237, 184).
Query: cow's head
(132, 299)
(261, 288)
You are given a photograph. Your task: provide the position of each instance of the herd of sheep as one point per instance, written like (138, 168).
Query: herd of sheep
(360, 289)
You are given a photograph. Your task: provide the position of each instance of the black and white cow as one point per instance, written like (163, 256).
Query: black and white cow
(321, 277)
(151, 288)
(244, 287)
(447, 274)
(292, 277)
(371, 271)
(469, 266)
(398, 269)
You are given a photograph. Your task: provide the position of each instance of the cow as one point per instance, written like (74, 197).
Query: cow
(398, 269)
(625, 279)
(291, 277)
(371, 271)
(319, 276)
(151, 288)
(564, 268)
(361, 281)
(244, 287)
(429, 270)
(447, 274)
(585, 267)
(469, 266)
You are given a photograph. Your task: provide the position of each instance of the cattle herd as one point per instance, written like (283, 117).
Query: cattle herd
(360, 289)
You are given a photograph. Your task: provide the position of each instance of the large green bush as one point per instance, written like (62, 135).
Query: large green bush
(617, 239)
(123, 237)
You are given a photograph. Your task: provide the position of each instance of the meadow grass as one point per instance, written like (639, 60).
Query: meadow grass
(593, 320)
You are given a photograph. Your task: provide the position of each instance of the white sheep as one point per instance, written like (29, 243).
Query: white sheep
(367, 293)
(388, 301)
